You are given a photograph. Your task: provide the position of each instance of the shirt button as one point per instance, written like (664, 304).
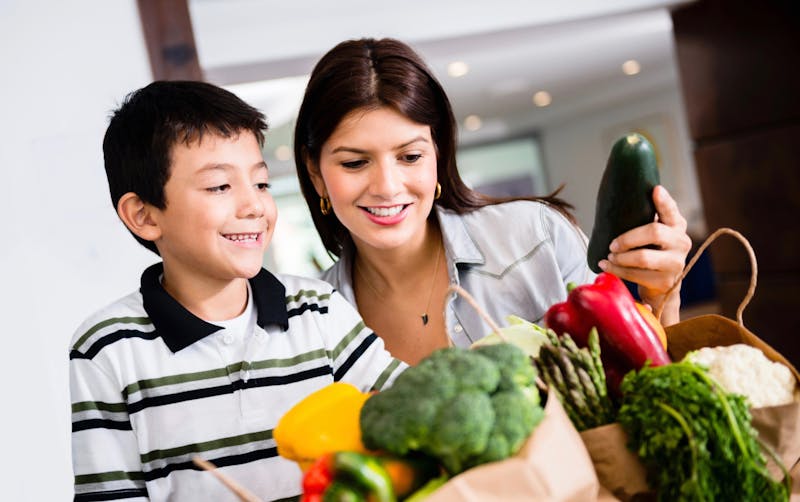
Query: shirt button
(457, 328)
(227, 339)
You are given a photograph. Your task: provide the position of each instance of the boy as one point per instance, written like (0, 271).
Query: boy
(212, 350)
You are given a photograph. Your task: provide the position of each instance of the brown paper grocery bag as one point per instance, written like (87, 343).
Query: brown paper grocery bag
(553, 465)
(777, 426)
(618, 469)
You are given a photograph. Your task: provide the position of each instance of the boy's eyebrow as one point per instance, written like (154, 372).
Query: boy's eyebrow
(358, 150)
(224, 167)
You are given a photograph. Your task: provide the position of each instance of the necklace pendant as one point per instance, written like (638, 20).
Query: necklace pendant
(424, 319)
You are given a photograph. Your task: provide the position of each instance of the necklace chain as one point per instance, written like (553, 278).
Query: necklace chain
(424, 315)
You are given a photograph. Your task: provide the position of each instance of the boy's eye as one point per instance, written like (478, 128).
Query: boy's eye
(219, 188)
(410, 158)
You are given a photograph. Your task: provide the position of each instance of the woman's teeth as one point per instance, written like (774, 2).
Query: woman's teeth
(385, 211)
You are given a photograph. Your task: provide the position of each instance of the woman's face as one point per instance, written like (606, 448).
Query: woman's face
(379, 170)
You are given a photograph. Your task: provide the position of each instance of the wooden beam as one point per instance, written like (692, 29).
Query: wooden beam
(168, 34)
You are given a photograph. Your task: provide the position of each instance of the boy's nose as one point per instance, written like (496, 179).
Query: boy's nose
(251, 206)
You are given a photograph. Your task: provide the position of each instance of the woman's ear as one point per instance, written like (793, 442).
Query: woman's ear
(316, 177)
(138, 216)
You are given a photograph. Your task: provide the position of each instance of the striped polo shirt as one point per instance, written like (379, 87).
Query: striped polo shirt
(152, 386)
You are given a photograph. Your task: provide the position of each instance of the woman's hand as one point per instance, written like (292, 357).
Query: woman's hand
(654, 270)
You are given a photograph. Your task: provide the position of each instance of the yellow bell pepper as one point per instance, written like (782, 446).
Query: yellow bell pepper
(652, 321)
(323, 422)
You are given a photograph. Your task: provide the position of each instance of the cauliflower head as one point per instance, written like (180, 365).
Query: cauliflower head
(745, 370)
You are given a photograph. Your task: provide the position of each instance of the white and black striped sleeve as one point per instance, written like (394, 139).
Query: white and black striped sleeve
(105, 455)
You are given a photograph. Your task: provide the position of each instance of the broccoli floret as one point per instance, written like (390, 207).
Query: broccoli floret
(467, 368)
(516, 368)
(461, 429)
(463, 407)
(515, 418)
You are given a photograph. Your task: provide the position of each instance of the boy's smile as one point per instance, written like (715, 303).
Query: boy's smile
(219, 214)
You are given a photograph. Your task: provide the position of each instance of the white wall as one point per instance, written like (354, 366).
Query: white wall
(64, 66)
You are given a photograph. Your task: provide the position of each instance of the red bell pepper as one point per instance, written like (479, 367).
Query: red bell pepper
(317, 479)
(353, 474)
(627, 340)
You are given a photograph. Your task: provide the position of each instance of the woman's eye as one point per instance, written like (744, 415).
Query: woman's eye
(263, 186)
(411, 157)
(219, 188)
(353, 164)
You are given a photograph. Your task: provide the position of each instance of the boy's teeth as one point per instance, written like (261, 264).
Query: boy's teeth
(385, 211)
(242, 237)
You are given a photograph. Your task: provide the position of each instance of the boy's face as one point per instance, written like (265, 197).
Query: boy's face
(220, 215)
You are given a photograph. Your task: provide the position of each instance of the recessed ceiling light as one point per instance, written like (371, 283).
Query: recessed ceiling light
(542, 98)
(472, 123)
(457, 69)
(283, 152)
(631, 67)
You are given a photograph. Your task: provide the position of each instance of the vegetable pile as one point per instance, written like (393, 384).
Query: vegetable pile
(693, 434)
(456, 409)
(601, 356)
(461, 407)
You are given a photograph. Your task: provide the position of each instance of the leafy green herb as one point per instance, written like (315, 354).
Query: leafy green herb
(695, 440)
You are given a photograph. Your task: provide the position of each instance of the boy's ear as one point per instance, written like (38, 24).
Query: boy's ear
(138, 216)
(316, 177)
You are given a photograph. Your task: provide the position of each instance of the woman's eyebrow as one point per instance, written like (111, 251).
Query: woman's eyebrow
(351, 149)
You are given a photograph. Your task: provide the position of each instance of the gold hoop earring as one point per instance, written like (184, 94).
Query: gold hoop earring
(325, 205)
(438, 191)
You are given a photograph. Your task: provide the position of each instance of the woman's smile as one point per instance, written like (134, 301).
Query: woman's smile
(386, 215)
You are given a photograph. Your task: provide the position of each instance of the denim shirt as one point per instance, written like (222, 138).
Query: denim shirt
(514, 258)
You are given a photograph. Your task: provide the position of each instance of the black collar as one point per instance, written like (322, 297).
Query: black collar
(180, 328)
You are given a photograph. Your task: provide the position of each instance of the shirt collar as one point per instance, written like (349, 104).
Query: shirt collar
(458, 243)
(180, 328)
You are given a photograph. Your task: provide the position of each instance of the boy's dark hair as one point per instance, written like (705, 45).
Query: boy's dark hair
(138, 143)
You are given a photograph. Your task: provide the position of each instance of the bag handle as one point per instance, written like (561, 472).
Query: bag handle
(753, 271)
(458, 290)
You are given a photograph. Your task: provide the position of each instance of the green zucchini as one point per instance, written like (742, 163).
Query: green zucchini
(625, 196)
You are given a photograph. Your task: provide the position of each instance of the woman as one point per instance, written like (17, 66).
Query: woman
(375, 150)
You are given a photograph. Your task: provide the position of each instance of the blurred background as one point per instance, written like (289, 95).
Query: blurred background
(541, 90)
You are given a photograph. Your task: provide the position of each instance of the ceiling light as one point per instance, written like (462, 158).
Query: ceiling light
(472, 123)
(457, 69)
(283, 152)
(542, 98)
(631, 67)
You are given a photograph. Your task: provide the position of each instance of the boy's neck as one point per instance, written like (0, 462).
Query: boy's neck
(208, 300)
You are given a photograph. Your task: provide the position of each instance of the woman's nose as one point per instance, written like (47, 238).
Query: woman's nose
(386, 179)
